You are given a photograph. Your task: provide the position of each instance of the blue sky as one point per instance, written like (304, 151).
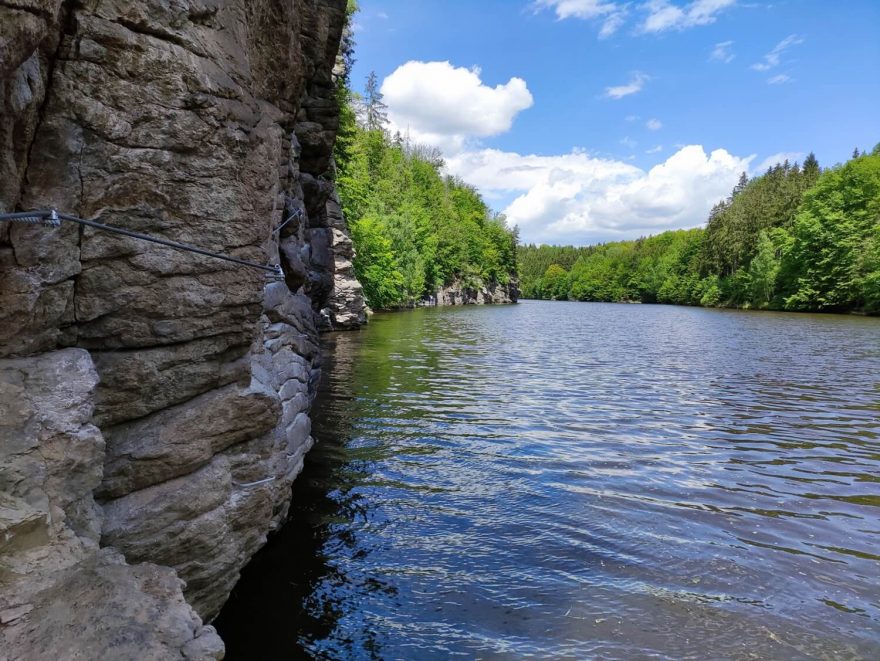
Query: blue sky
(594, 120)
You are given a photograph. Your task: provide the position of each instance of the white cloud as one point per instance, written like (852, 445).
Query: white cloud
(628, 142)
(722, 52)
(654, 124)
(654, 150)
(774, 57)
(442, 105)
(779, 79)
(663, 15)
(612, 24)
(584, 9)
(632, 87)
(775, 159)
(576, 198)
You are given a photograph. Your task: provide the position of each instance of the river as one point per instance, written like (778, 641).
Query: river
(581, 480)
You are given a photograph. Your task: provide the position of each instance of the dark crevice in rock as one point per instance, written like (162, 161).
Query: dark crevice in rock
(67, 23)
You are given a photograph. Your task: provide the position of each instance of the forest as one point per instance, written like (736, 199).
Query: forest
(795, 238)
(415, 229)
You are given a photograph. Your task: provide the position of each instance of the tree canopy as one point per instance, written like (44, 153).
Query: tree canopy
(415, 228)
(794, 238)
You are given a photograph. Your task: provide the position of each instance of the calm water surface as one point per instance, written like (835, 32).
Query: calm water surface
(567, 480)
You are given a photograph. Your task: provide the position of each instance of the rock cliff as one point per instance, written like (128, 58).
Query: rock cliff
(490, 294)
(154, 403)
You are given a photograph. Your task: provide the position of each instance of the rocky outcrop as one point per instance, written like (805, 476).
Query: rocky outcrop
(60, 591)
(346, 307)
(179, 385)
(491, 294)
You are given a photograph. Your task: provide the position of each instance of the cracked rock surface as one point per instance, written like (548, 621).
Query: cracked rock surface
(154, 404)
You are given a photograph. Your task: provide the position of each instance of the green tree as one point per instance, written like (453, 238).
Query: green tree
(374, 107)
(763, 271)
(794, 237)
(375, 264)
(833, 256)
(554, 284)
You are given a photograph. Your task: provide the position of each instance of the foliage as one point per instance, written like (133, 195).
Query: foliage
(833, 260)
(414, 228)
(794, 238)
(555, 283)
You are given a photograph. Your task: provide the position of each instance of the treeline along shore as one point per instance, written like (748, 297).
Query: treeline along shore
(795, 238)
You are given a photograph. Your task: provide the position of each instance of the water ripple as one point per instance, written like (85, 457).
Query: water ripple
(561, 480)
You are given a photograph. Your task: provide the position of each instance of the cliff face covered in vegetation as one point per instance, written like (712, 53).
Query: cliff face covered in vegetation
(795, 238)
(154, 403)
(420, 234)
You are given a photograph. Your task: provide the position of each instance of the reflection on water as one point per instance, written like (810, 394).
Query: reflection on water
(570, 480)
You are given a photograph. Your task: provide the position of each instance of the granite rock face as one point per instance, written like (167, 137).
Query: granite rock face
(491, 294)
(175, 387)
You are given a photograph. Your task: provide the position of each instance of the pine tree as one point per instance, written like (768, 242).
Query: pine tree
(375, 110)
(856, 153)
(740, 185)
(811, 168)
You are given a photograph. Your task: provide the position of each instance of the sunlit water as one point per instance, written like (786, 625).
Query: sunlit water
(566, 480)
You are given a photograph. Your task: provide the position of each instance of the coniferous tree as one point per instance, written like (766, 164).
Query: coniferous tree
(374, 109)
(811, 165)
(740, 185)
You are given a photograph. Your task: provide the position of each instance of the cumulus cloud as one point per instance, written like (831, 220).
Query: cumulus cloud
(577, 198)
(772, 59)
(663, 15)
(442, 105)
(654, 124)
(632, 87)
(723, 52)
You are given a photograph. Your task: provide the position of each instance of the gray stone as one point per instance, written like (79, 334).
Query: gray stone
(205, 123)
(179, 440)
(491, 294)
(60, 595)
